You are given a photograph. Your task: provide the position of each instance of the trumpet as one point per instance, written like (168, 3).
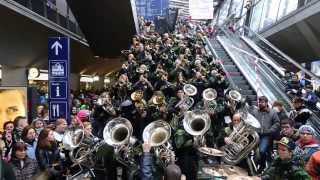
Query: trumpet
(137, 95)
(157, 135)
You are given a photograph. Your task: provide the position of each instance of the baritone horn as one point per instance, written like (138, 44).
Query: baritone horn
(209, 95)
(197, 123)
(187, 102)
(157, 135)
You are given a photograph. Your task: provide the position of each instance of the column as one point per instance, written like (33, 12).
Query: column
(74, 81)
(14, 76)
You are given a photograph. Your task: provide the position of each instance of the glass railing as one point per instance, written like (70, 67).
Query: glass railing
(260, 77)
(48, 10)
(265, 13)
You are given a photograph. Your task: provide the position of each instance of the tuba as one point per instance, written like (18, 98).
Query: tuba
(72, 138)
(197, 123)
(244, 139)
(157, 135)
(209, 95)
(117, 132)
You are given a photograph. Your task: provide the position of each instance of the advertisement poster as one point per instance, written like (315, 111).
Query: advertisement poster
(201, 9)
(13, 103)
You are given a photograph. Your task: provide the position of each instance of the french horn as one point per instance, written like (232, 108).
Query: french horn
(209, 95)
(197, 123)
(157, 134)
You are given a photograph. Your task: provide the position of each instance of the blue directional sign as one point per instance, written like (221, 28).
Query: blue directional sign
(58, 89)
(58, 69)
(59, 65)
(58, 109)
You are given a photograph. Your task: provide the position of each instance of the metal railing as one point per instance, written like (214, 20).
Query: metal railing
(49, 11)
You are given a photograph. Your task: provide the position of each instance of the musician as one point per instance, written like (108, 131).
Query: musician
(288, 130)
(200, 82)
(140, 119)
(144, 85)
(223, 137)
(122, 88)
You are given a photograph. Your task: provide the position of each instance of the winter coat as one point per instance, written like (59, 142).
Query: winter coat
(29, 169)
(286, 170)
(306, 151)
(31, 150)
(269, 120)
(313, 166)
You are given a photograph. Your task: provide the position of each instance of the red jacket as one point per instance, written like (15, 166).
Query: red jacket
(313, 166)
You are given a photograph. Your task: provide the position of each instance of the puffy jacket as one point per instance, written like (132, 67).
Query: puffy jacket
(313, 166)
(46, 158)
(29, 169)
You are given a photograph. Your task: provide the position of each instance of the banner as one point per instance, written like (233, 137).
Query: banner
(201, 9)
(13, 103)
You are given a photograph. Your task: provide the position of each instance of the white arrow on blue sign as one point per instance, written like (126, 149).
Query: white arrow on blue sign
(56, 45)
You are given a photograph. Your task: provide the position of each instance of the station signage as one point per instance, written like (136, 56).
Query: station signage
(58, 63)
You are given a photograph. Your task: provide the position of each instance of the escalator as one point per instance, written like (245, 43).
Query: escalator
(234, 73)
(236, 55)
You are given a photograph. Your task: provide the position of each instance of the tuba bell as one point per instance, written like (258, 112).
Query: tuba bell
(233, 99)
(197, 123)
(209, 95)
(117, 132)
(157, 135)
(190, 90)
(72, 138)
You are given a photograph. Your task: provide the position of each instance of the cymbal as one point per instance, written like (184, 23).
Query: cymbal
(224, 170)
(211, 151)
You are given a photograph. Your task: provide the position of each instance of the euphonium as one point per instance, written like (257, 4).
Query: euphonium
(233, 97)
(244, 138)
(157, 135)
(209, 95)
(197, 123)
(187, 102)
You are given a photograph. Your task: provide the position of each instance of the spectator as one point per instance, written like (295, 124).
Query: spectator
(307, 143)
(61, 126)
(313, 166)
(38, 125)
(8, 126)
(24, 168)
(279, 108)
(300, 114)
(287, 165)
(20, 123)
(287, 130)
(270, 125)
(29, 137)
(6, 170)
(47, 154)
(310, 98)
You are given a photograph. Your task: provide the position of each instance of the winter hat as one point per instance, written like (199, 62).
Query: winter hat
(306, 128)
(287, 142)
(83, 115)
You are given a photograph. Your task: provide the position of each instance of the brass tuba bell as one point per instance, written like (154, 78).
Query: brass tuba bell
(117, 132)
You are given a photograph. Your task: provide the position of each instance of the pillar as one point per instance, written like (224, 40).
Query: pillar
(74, 81)
(14, 76)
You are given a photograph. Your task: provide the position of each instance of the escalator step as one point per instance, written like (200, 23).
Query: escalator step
(247, 92)
(244, 87)
(238, 78)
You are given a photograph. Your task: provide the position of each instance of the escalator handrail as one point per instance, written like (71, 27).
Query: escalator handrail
(275, 65)
(289, 59)
(216, 56)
